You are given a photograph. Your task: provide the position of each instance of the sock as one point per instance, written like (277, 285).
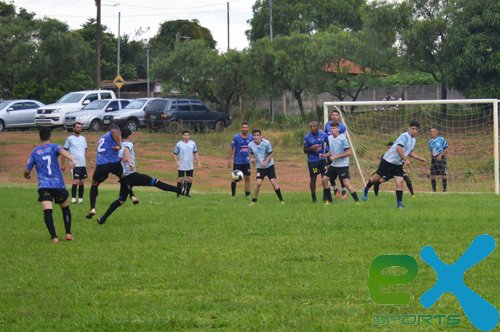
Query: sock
(66, 212)
(94, 192)
(131, 192)
(73, 191)
(278, 192)
(376, 188)
(343, 187)
(179, 188)
(399, 196)
(49, 222)
(368, 185)
(254, 200)
(112, 207)
(355, 196)
(327, 195)
(166, 187)
(247, 193)
(188, 188)
(233, 188)
(80, 191)
(433, 183)
(313, 196)
(445, 182)
(409, 184)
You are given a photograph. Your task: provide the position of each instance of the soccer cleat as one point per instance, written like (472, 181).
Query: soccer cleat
(314, 200)
(55, 240)
(80, 200)
(344, 195)
(282, 202)
(364, 197)
(336, 192)
(400, 205)
(413, 196)
(252, 203)
(135, 200)
(356, 203)
(327, 203)
(101, 220)
(73, 200)
(68, 237)
(90, 214)
(188, 196)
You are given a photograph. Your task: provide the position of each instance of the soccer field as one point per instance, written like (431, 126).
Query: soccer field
(215, 262)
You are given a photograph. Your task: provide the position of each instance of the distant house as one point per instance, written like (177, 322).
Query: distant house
(134, 88)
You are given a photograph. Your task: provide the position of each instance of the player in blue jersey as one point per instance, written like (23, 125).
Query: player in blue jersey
(335, 118)
(406, 178)
(108, 162)
(261, 153)
(134, 178)
(51, 185)
(439, 148)
(339, 156)
(184, 153)
(315, 143)
(393, 161)
(238, 155)
(77, 146)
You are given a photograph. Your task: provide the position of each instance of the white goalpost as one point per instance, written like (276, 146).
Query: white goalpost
(470, 127)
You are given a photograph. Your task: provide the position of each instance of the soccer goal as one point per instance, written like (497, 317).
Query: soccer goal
(470, 126)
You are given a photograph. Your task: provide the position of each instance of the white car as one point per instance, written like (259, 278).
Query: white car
(53, 115)
(18, 113)
(91, 115)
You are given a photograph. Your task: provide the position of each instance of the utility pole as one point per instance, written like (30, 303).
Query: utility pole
(118, 52)
(98, 45)
(228, 26)
(147, 66)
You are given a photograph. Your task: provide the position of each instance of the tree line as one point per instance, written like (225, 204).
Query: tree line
(337, 46)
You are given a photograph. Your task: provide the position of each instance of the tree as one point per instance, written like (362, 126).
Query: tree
(303, 16)
(473, 49)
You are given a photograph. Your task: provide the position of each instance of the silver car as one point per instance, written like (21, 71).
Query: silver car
(18, 113)
(91, 115)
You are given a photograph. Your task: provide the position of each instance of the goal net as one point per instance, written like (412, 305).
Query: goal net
(469, 126)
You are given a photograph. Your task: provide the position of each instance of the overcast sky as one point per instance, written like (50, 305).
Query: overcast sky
(147, 15)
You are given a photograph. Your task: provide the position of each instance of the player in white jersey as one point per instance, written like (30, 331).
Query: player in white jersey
(77, 146)
(134, 178)
(339, 156)
(261, 154)
(393, 161)
(184, 153)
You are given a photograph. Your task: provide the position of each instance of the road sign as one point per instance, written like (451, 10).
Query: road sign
(119, 81)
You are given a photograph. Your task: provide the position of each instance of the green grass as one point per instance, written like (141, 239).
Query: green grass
(212, 262)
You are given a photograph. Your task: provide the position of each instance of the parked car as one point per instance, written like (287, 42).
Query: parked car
(53, 115)
(18, 113)
(91, 115)
(172, 113)
(132, 116)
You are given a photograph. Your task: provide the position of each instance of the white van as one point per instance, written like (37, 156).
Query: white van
(53, 115)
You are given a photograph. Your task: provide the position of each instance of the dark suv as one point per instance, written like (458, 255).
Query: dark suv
(173, 114)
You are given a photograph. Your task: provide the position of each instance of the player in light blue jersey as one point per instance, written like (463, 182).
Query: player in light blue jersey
(108, 162)
(339, 156)
(315, 146)
(439, 148)
(238, 155)
(335, 118)
(261, 154)
(77, 146)
(391, 165)
(184, 153)
(134, 178)
(51, 185)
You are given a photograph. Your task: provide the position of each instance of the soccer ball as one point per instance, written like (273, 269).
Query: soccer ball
(237, 175)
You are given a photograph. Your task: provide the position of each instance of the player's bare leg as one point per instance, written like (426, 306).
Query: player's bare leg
(256, 190)
(354, 194)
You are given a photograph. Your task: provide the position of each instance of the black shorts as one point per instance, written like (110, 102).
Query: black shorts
(263, 172)
(317, 167)
(245, 168)
(102, 172)
(189, 173)
(341, 172)
(388, 170)
(79, 173)
(439, 167)
(142, 180)
(51, 194)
